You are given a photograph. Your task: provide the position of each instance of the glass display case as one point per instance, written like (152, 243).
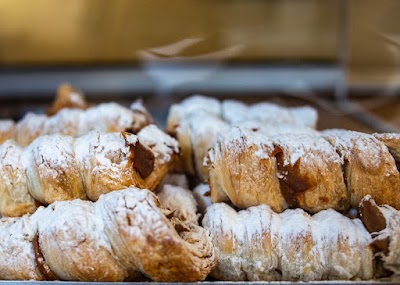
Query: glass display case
(340, 55)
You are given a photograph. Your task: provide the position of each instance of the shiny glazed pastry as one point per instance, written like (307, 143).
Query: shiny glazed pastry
(57, 167)
(120, 237)
(334, 169)
(258, 244)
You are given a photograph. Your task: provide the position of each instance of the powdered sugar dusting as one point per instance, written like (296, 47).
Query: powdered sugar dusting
(367, 148)
(202, 195)
(179, 200)
(105, 117)
(162, 145)
(307, 147)
(6, 125)
(306, 115)
(237, 139)
(325, 246)
(16, 249)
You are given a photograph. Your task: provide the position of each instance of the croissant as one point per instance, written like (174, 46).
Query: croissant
(383, 222)
(57, 167)
(118, 238)
(197, 121)
(105, 117)
(314, 172)
(258, 244)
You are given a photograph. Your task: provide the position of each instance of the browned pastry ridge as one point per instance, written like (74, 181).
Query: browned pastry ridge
(118, 238)
(57, 167)
(333, 169)
(258, 244)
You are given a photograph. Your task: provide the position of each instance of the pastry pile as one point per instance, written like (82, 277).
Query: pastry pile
(100, 194)
(295, 187)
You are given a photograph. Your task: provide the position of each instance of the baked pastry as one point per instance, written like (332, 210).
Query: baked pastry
(392, 141)
(105, 117)
(202, 194)
(235, 112)
(251, 177)
(67, 97)
(197, 121)
(196, 135)
(383, 222)
(258, 244)
(195, 104)
(57, 167)
(120, 237)
(315, 172)
(7, 130)
(180, 201)
(369, 168)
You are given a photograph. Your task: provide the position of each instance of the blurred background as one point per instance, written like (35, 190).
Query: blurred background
(342, 57)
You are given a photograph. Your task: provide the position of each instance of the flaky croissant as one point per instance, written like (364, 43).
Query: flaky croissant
(105, 117)
(258, 244)
(118, 238)
(334, 169)
(57, 167)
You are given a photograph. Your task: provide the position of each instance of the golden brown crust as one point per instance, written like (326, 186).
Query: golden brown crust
(243, 170)
(197, 121)
(52, 170)
(392, 141)
(334, 169)
(67, 97)
(74, 246)
(15, 199)
(310, 173)
(369, 168)
(120, 237)
(165, 249)
(55, 167)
